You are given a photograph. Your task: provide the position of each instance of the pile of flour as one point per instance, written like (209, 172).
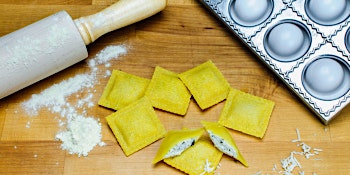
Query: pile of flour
(81, 133)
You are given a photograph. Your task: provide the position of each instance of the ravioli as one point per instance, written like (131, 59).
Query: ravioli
(246, 113)
(122, 89)
(167, 92)
(136, 126)
(206, 84)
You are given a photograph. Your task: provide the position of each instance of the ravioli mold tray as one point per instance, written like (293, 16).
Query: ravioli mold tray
(306, 43)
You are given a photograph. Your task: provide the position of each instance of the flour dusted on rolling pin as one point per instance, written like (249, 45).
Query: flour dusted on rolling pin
(27, 48)
(82, 133)
(39, 50)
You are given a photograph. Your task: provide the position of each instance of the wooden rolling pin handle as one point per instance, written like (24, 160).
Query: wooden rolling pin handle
(118, 15)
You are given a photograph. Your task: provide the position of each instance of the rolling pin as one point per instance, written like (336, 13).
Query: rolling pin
(52, 44)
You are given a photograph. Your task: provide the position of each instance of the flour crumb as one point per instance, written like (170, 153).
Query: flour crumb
(108, 65)
(107, 74)
(28, 124)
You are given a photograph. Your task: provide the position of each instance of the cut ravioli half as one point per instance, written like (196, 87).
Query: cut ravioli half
(223, 140)
(200, 159)
(206, 84)
(122, 89)
(246, 113)
(176, 142)
(167, 92)
(136, 126)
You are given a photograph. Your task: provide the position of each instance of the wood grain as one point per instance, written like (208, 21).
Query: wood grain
(182, 36)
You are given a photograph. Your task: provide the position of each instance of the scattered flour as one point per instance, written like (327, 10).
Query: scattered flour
(78, 138)
(55, 96)
(107, 54)
(81, 133)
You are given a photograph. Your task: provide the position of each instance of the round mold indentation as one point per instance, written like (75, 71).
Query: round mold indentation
(250, 12)
(287, 40)
(327, 77)
(327, 12)
(347, 40)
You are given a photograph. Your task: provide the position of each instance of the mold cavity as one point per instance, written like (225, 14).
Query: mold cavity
(327, 77)
(250, 12)
(327, 12)
(287, 41)
(347, 39)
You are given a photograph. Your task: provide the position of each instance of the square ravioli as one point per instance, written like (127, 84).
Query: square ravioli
(246, 113)
(206, 83)
(167, 92)
(136, 126)
(201, 158)
(122, 89)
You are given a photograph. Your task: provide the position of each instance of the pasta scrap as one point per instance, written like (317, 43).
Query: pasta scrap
(122, 89)
(246, 113)
(167, 92)
(206, 83)
(136, 126)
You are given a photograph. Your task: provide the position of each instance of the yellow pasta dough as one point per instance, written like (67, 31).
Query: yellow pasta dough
(206, 83)
(136, 126)
(200, 159)
(122, 89)
(223, 140)
(246, 113)
(177, 141)
(167, 92)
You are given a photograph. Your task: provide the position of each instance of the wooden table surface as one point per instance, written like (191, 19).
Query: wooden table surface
(182, 36)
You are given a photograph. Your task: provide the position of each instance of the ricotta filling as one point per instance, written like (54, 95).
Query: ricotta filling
(222, 145)
(180, 147)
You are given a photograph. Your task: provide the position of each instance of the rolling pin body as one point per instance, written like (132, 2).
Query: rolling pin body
(39, 50)
(52, 44)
